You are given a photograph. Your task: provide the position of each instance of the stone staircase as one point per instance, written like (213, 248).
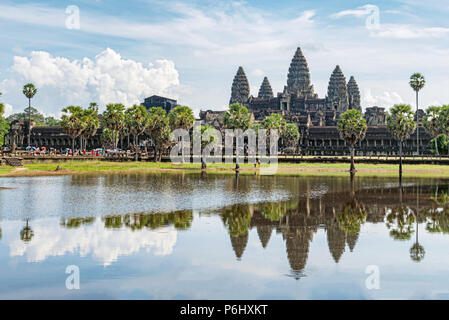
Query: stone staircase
(14, 162)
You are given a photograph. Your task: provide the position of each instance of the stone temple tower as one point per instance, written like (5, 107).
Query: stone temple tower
(240, 88)
(265, 91)
(337, 92)
(298, 78)
(354, 95)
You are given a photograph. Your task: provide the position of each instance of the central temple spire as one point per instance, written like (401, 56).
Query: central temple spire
(298, 79)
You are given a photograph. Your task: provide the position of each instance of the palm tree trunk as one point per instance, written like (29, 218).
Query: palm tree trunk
(182, 150)
(352, 159)
(237, 166)
(436, 146)
(417, 124)
(135, 146)
(400, 160)
(29, 122)
(73, 146)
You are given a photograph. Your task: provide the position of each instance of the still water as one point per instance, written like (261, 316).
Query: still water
(187, 236)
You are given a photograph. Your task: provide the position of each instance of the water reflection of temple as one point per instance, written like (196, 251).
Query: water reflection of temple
(338, 214)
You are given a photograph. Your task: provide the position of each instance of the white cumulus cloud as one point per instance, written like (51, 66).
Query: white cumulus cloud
(108, 78)
(385, 99)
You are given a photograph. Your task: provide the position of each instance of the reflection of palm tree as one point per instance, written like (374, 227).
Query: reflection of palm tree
(113, 222)
(26, 234)
(76, 222)
(238, 220)
(438, 220)
(181, 220)
(351, 217)
(274, 211)
(417, 251)
(400, 219)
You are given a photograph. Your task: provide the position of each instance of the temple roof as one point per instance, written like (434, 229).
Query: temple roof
(354, 94)
(298, 77)
(240, 87)
(337, 91)
(265, 90)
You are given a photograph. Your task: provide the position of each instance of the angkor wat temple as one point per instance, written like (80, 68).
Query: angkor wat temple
(316, 118)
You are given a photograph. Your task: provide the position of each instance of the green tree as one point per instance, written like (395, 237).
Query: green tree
(291, 136)
(431, 123)
(107, 138)
(237, 117)
(73, 123)
(36, 116)
(52, 122)
(2, 107)
(29, 90)
(137, 120)
(114, 119)
(181, 117)
(275, 121)
(91, 123)
(417, 82)
(401, 125)
(198, 133)
(158, 130)
(4, 124)
(444, 123)
(442, 142)
(352, 128)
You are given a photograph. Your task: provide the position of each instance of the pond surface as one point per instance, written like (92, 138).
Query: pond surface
(187, 236)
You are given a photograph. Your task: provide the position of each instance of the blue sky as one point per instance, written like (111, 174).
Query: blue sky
(190, 50)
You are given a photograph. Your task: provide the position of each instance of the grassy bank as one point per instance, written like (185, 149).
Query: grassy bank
(292, 169)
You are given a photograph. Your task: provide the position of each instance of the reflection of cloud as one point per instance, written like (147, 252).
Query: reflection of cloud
(105, 245)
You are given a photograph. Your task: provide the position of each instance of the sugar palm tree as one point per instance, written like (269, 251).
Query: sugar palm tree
(72, 122)
(352, 128)
(158, 130)
(417, 82)
(91, 123)
(431, 123)
(444, 123)
(401, 125)
(237, 117)
(137, 120)
(275, 121)
(114, 119)
(29, 90)
(291, 136)
(181, 117)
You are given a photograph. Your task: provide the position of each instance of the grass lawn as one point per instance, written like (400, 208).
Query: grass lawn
(293, 169)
